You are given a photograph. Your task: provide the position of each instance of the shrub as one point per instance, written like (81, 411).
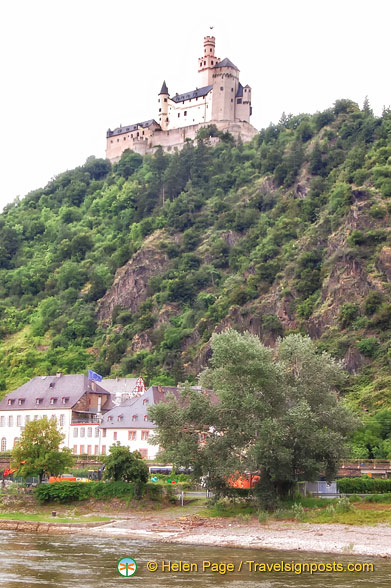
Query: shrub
(368, 346)
(349, 311)
(364, 486)
(372, 302)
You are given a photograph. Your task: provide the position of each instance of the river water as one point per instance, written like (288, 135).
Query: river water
(32, 560)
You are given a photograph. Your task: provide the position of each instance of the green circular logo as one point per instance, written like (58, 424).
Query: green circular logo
(126, 567)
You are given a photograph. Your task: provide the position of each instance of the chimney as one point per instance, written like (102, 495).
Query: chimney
(58, 374)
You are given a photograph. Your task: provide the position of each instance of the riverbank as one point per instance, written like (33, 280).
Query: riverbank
(287, 536)
(193, 529)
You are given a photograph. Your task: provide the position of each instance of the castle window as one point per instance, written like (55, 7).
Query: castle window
(232, 99)
(239, 100)
(143, 132)
(204, 62)
(117, 140)
(160, 109)
(131, 135)
(245, 89)
(221, 88)
(212, 62)
(138, 134)
(124, 138)
(179, 114)
(166, 119)
(111, 140)
(185, 113)
(165, 100)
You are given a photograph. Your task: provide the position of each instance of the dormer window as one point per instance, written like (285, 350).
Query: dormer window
(145, 417)
(53, 400)
(134, 417)
(145, 401)
(65, 399)
(10, 401)
(110, 418)
(21, 401)
(38, 400)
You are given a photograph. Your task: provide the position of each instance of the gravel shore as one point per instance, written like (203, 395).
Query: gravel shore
(196, 530)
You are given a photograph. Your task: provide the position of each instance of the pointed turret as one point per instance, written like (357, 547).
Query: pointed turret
(164, 89)
(163, 106)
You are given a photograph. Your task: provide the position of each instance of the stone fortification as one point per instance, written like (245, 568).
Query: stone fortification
(220, 100)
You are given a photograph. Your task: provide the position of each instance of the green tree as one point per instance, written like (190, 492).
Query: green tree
(276, 412)
(37, 452)
(123, 465)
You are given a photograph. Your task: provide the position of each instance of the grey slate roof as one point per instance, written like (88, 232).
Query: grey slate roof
(239, 93)
(131, 128)
(226, 63)
(164, 89)
(122, 417)
(68, 387)
(119, 386)
(197, 93)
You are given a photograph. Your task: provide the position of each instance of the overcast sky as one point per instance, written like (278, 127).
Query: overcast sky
(70, 69)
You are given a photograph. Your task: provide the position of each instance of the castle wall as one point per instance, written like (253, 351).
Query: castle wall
(190, 112)
(225, 87)
(136, 141)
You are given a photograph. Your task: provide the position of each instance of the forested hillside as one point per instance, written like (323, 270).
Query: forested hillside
(129, 270)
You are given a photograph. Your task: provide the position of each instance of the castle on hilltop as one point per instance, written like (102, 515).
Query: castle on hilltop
(220, 99)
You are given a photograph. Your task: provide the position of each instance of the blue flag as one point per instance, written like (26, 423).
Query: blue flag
(94, 377)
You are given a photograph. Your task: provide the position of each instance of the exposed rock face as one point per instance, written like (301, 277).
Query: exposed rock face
(384, 262)
(130, 286)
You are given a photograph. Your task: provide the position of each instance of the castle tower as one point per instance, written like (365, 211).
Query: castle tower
(163, 107)
(225, 87)
(207, 62)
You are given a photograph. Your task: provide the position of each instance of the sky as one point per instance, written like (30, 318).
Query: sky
(71, 69)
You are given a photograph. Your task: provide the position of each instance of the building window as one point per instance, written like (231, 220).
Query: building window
(75, 432)
(165, 100)
(124, 138)
(160, 109)
(145, 401)
(38, 401)
(89, 449)
(103, 432)
(96, 431)
(179, 114)
(20, 401)
(26, 419)
(144, 453)
(53, 417)
(16, 440)
(144, 435)
(145, 417)
(185, 113)
(103, 449)
(134, 417)
(89, 432)
(62, 420)
(117, 140)
(115, 436)
(239, 101)
(53, 400)
(131, 435)
(96, 449)
(203, 437)
(19, 420)
(4, 444)
(36, 417)
(111, 140)
(232, 89)
(2, 421)
(212, 62)
(10, 421)
(81, 449)
(221, 88)
(82, 432)
(74, 449)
